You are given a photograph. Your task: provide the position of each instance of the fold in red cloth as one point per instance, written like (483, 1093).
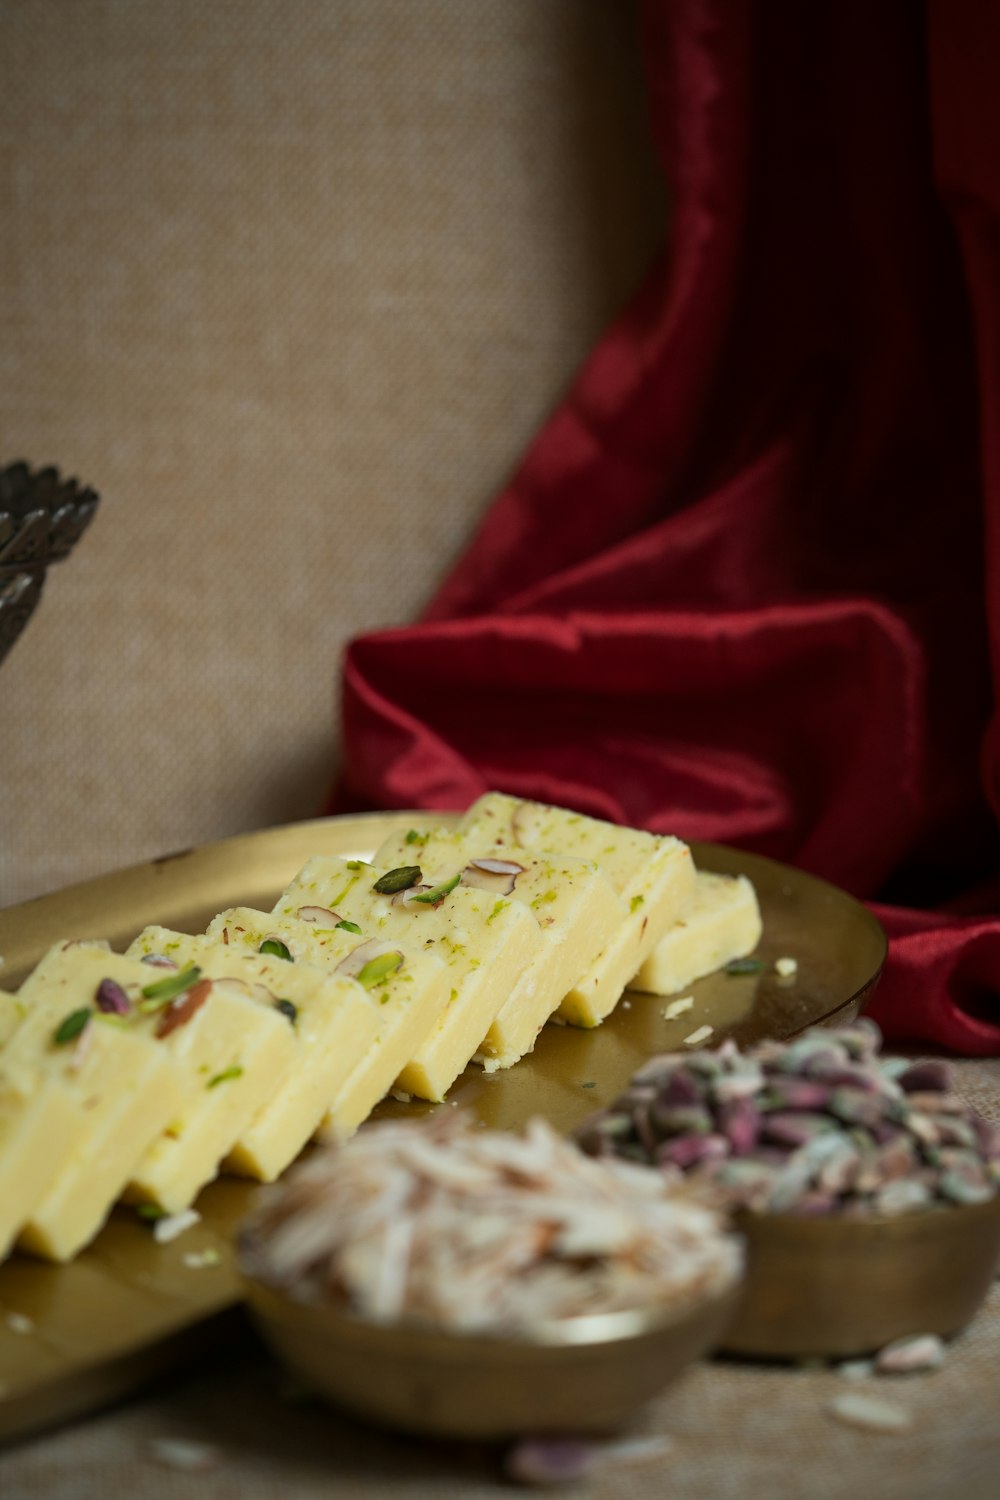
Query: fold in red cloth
(745, 582)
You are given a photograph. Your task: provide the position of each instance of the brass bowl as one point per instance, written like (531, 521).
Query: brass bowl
(587, 1374)
(836, 1288)
(42, 517)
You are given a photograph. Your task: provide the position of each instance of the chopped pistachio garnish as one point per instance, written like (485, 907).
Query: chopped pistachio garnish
(348, 926)
(377, 969)
(224, 1077)
(355, 864)
(743, 966)
(71, 1026)
(438, 892)
(288, 1008)
(636, 902)
(413, 837)
(399, 879)
(173, 984)
(498, 907)
(151, 1211)
(276, 948)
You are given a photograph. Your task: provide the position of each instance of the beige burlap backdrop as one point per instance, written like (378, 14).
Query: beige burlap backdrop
(291, 283)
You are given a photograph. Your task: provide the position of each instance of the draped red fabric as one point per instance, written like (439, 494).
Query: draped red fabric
(745, 584)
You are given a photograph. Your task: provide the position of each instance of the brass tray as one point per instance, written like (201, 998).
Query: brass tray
(76, 1337)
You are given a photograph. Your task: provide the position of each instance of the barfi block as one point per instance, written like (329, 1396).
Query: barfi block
(723, 922)
(332, 1024)
(484, 944)
(39, 1121)
(653, 874)
(125, 1085)
(408, 992)
(11, 1011)
(574, 905)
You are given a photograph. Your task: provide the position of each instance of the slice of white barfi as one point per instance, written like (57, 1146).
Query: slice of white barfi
(39, 1120)
(125, 1087)
(332, 1023)
(653, 874)
(723, 922)
(575, 906)
(230, 1052)
(11, 1011)
(485, 944)
(408, 991)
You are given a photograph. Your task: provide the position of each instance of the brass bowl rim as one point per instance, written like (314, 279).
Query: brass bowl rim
(593, 1330)
(756, 1225)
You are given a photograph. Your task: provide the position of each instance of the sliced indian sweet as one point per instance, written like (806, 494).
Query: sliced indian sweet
(124, 1085)
(230, 1053)
(331, 1019)
(39, 1121)
(723, 922)
(485, 945)
(575, 906)
(652, 873)
(408, 991)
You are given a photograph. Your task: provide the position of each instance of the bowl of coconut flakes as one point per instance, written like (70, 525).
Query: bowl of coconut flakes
(443, 1278)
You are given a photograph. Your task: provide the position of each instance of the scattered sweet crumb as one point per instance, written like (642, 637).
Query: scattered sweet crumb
(626, 1005)
(18, 1323)
(172, 1225)
(697, 1037)
(856, 1409)
(856, 1369)
(786, 968)
(678, 1007)
(401, 1096)
(558, 1461)
(198, 1260)
(184, 1454)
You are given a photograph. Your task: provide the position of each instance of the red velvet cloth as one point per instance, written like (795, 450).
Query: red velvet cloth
(745, 584)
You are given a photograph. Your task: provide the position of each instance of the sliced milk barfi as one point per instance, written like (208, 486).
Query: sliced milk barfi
(407, 990)
(653, 874)
(229, 1052)
(332, 1022)
(723, 922)
(576, 908)
(39, 1121)
(484, 944)
(11, 1011)
(125, 1088)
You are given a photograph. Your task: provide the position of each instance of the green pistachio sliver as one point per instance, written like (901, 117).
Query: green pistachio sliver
(377, 969)
(437, 892)
(349, 926)
(151, 1212)
(744, 966)
(71, 1026)
(276, 948)
(174, 984)
(399, 879)
(224, 1077)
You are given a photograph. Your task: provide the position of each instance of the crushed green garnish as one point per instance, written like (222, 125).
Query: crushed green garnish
(590, 1085)
(413, 837)
(377, 969)
(174, 984)
(71, 1026)
(288, 1008)
(348, 926)
(277, 949)
(545, 899)
(224, 1077)
(151, 1212)
(399, 879)
(636, 902)
(355, 864)
(438, 892)
(497, 909)
(743, 966)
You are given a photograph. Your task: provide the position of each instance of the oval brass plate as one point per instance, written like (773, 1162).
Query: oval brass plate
(128, 1308)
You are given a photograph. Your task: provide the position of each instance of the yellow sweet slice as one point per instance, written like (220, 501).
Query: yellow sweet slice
(408, 992)
(653, 874)
(331, 1020)
(573, 903)
(723, 922)
(39, 1120)
(11, 1011)
(125, 1087)
(485, 944)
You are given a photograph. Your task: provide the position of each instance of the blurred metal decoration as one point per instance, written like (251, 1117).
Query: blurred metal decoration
(42, 517)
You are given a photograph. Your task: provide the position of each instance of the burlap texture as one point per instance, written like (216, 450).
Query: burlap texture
(291, 284)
